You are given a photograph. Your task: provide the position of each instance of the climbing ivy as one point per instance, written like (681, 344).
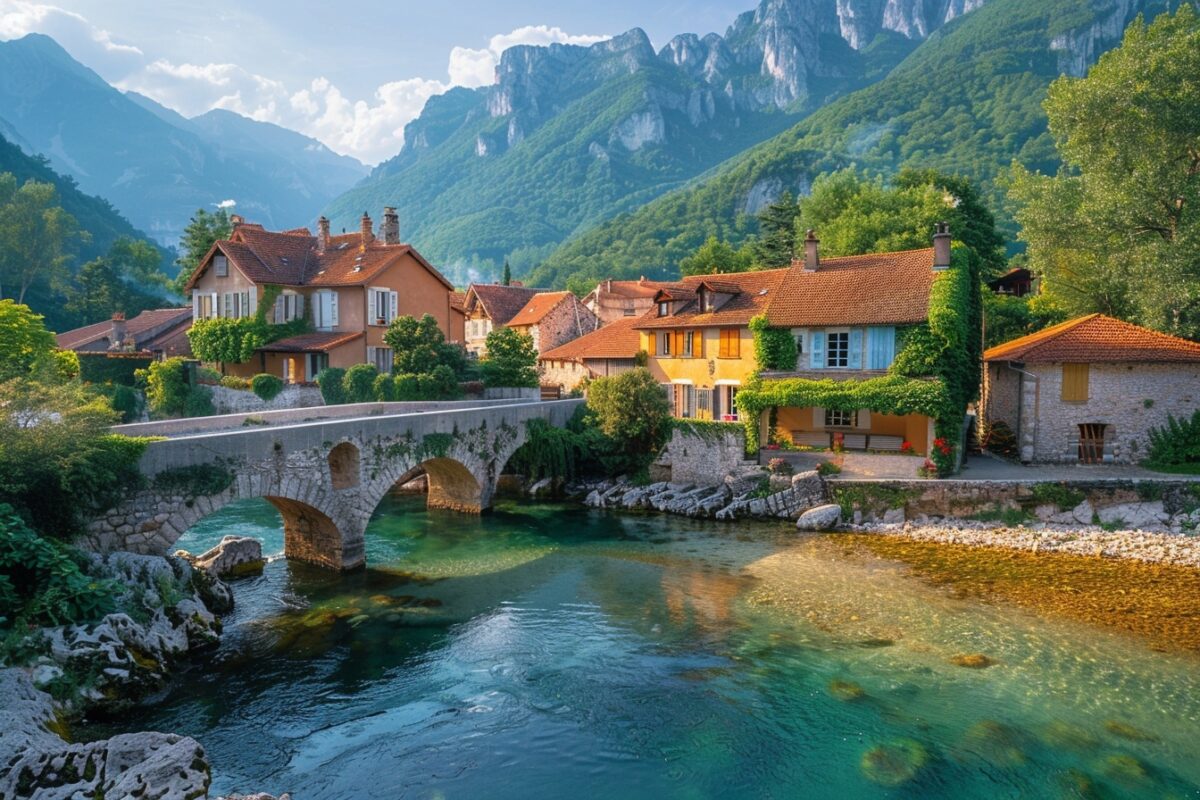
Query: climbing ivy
(197, 480)
(233, 341)
(774, 348)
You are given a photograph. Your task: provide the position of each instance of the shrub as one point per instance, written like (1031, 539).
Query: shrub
(1058, 495)
(511, 360)
(828, 468)
(359, 383)
(234, 382)
(167, 387)
(384, 388)
(330, 382)
(439, 384)
(1176, 443)
(406, 387)
(209, 375)
(780, 466)
(199, 402)
(126, 402)
(105, 368)
(631, 409)
(420, 346)
(266, 386)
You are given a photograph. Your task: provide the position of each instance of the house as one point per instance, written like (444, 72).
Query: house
(349, 287)
(608, 351)
(552, 319)
(488, 306)
(698, 340)
(615, 300)
(848, 318)
(1017, 282)
(1089, 390)
(160, 333)
(458, 318)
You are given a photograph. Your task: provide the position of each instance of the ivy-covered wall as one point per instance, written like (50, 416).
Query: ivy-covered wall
(233, 341)
(936, 372)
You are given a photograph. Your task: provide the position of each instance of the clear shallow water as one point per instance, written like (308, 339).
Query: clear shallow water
(550, 651)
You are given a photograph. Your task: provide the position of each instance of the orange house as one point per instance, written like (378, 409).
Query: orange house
(349, 287)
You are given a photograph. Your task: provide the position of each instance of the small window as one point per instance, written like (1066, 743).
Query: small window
(664, 343)
(837, 351)
(1075, 383)
(381, 357)
(689, 344)
(838, 419)
(220, 265)
(664, 309)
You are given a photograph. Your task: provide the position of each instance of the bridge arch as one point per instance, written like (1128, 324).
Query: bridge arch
(344, 466)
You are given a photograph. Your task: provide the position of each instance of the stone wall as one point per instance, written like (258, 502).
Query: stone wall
(706, 457)
(566, 322)
(239, 401)
(564, 374)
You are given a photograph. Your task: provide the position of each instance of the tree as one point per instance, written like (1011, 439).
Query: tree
(1117, 229)
(117, 282)
(25, 344)
(38, 238)
(716, 256)
(632, 409)
(205, 228)
(511, 360)
(776, 244)
(507, 279)
(419, 346)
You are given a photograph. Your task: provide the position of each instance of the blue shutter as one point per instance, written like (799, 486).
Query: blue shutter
(816, 342)
(881, 347)
(856, 348)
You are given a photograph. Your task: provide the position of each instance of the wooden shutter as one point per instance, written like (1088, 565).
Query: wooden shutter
(698, 344)
(1075, 383)
(393, 305)
(817, 340)
(677, 345)
(856, 348)
(881, 347)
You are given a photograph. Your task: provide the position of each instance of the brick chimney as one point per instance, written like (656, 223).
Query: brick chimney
(322, 234)
(608, 286)
(812, 258)
(116, 336)
(368, 233)
(236, 219)
(389, 229)
(941, 246)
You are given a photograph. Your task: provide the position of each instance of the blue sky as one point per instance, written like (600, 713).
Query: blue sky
(348, 74)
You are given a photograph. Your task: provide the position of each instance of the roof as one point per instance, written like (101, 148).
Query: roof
(1096, 338)
(458, 301)
(625, 290)
(754, 291)
(292, 258)
(870, 289)
(501, 303)
(538, 307)
(311, 343)
(143, 328)
(619, 339)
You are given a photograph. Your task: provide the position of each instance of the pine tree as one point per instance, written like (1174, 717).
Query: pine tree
(777, 232)
(507, 279)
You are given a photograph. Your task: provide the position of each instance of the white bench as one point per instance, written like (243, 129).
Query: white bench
(854, 441)
(810, 439)
(888, 443)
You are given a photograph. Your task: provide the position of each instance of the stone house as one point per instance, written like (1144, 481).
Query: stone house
(487, 306)
(160, 333)
(608, 351)
(1089, 390)
(349, 287)
(552, 319)
(616, 300)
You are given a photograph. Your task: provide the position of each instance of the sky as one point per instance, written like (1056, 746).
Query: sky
(348, 75)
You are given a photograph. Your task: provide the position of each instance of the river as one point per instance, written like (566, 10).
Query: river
(550, 651)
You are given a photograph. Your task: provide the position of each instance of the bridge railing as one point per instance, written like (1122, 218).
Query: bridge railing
(293, 416)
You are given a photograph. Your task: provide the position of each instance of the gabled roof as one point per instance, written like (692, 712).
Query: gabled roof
(624, 290)
(501, 303)
(143, 328)
(1096, 338)
(458, 301)
(311, 342)
(754, 291)
(619, 339)
(292, 258)
(538, 307)
(870, 289)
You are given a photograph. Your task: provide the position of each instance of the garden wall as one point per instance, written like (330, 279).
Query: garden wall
(239, 401)
(705, 454)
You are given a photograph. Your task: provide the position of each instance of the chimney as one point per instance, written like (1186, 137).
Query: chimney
(236, 219)
(322, 234)
(116, 336)
(368, 234)
(608, 286)
(389, 229)
(941, 246)
(812, 259)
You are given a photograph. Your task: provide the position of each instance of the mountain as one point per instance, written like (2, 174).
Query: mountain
(967, 100)
(154, 165)
(570, 136)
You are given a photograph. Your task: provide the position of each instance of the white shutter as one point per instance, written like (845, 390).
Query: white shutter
(863, 419)
(818, 418)
(252, 302)
(333, 309)
(280, 308)
(299, 306)
(393, 304)
(214, 311)
(816, 344)
(227, 309)
(195, 306)
(372, 305)
(371, 355)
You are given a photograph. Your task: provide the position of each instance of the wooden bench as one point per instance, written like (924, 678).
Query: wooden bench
(891, 444)
(810, 439)
(854, 441)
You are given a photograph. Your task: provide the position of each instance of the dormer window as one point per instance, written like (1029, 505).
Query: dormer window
(664, 308)
(706, 301)
(220, 266)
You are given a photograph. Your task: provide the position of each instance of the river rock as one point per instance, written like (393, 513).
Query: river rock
(542, 488)
(1134, 516)
(821, 518)
(233, 555)
(34, 762)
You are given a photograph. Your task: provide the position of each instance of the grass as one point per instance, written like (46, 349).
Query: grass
(1058, 495)
(1190, 468)
(828, 468)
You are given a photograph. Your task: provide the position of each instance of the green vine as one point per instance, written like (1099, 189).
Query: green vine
(708, 430)
(774, 348)
(198, 480)
(233, 341)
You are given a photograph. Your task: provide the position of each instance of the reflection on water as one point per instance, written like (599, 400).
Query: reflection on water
(542, 651)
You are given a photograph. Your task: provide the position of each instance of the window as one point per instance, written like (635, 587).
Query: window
(664, 309)
(288, 306)
(317, 362)
(220, 265)
(664, 343)
(799, 346)
(731, 343)
(704, 402)
(685, 400)
(381, 358)
(381, 306)
(881, 347)
(628, 311)
(838, 419)
(689, 344)
(837, 349)
(202, 306)
(706, 301)
(325, 310)
(1075, 383)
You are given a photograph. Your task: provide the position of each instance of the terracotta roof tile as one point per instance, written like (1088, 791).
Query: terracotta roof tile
(619, 339)
(458, 301)
(870, 289)
(755, 291)
(1096, 338)
(501, 303)
(311, 343)
(626, 290)
(538, 307)
(157, 320)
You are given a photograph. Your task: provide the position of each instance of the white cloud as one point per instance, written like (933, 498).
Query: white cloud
(227, 204)
(368, 129)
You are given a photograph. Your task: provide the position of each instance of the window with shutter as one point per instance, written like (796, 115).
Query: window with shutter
(817, 357)
(677, 345)
(881, 347)
(1075, 383)
(393, 306)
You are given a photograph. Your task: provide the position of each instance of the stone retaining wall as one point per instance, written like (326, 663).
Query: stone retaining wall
(240, 401)
(705, 458)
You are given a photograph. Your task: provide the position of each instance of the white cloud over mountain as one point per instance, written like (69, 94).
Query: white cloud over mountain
(370, 129)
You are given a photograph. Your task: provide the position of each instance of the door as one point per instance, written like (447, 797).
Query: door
(1091, 443)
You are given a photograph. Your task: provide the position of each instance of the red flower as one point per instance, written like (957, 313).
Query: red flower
(906, 447)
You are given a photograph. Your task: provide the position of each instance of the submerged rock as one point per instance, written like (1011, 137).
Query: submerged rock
(821, 518)
(846, 690)
(998, 744)
(1126, 731)
(973, 661)
(894, 763)
(233, 556)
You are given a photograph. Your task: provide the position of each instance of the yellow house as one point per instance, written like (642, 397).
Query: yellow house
(698, 338)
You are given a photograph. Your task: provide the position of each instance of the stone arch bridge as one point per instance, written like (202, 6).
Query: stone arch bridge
(324, 469)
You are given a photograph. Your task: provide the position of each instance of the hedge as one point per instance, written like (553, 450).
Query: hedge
(266, 386)
(103, 368)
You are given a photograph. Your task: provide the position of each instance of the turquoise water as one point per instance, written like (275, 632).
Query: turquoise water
(547, 651)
